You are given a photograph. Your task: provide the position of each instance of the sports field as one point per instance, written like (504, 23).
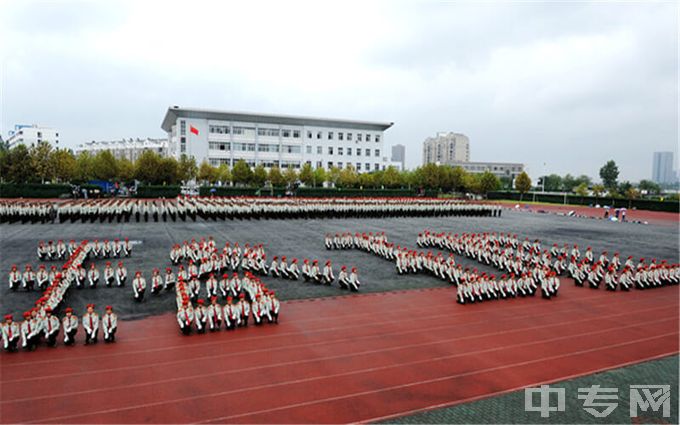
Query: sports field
(400, 347)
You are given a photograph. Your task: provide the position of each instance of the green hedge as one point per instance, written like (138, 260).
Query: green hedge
(228, 191)
(33, 190)
(306, 192)
(321, 192)
(640, 204)
(158, 191)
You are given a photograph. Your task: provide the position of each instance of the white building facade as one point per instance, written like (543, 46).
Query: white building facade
(126, 148)
(446, 147)
(499, 169)
(223, 137)
(33, 134)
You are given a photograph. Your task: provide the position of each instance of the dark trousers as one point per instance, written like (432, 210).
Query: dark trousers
(112, 336)
(91, 338)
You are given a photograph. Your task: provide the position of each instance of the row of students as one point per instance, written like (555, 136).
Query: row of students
(41, 325)
(52, 251)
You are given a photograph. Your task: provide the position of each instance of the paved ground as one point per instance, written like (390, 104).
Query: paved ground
(304, 239)
(510, 408)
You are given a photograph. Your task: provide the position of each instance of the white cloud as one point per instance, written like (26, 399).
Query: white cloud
(538, 83)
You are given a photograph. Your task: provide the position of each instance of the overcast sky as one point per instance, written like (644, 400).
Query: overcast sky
(560, 87)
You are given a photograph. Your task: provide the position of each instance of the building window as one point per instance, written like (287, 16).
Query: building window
(358, 151)
(377, 152)
(319, 164)
(309, 134)
(358, 166)
(341, 136)
(368, 137)
(217, 146)
(368, 166)
(349, 136)
(267, 148)
(182, 127)
(218, 129)
(330, 135)
(268, 132)
(318, 135)
(330, 150)
(376, 167)
(349, 151)
(358, 137)
(340, 165)
(309, 149)
(377, 138)
(330, 164)
(56, 134)
(286, 133)
(291, 149)
(290, 164)
(250, 147)
(368, 152)
(340, 151)
(296, 134)
(319, 150)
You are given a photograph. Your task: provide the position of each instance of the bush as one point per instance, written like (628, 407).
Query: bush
(158, 191)
(33, 190)
(229, 191)
(336, 192)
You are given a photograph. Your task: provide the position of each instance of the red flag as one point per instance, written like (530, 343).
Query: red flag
(193, 130)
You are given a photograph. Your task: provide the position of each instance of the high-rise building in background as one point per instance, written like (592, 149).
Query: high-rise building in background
(399, 156)
(446, 147)
(662, 168)
(29, 135)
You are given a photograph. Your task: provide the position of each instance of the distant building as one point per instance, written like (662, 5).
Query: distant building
(33, 134)
(499, 169)
(399, 156)
(126, 148)
(224, 137)
(454, 149)
(399, 165)
(662, 168)
(445, 148)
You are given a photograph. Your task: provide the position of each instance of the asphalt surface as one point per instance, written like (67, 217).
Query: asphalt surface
(304, 239)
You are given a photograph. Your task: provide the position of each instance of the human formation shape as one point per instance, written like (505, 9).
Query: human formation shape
(228, 208)
(40, 323)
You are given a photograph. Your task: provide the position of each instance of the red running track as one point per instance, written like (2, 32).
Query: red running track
(347, 359)
(655, 217)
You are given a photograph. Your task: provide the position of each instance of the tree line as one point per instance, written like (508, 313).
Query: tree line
(610, 186)
(42, 164)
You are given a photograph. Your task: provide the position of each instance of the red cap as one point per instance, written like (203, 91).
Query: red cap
(68, 310)
(108, 307)
(201, 302)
